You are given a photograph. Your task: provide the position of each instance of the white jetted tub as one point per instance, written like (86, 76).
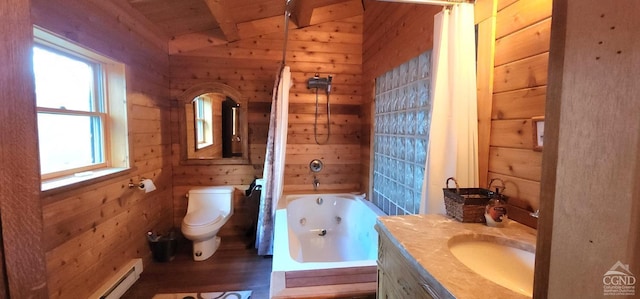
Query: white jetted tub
(324, 244)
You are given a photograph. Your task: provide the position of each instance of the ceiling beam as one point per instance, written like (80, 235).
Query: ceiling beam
(309, 12)
(197, 40)
(224, 18)
(337, 11)
(263, 26)
(193, 42)
(303, 10)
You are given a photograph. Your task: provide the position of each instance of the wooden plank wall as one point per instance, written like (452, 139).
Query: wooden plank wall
(91, 231)
(519, 92)
(250, 66)
(22, 261)
(595, 152)
(394, 33)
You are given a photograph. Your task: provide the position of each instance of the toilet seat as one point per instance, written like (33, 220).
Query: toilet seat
(202, 218)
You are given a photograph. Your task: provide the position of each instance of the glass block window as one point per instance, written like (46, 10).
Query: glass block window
(401, 132)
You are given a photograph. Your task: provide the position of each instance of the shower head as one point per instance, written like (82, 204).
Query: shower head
(317, 82)
(320, 83)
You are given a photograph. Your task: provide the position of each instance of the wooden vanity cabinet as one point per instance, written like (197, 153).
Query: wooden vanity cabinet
(397, 277)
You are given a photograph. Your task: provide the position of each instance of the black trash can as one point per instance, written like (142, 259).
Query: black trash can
(163, 248)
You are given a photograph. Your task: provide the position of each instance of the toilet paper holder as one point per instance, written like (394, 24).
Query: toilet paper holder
(146, 185)
(134, 185)
(139, 185)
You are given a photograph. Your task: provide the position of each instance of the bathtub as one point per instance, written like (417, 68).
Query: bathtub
(324, 243)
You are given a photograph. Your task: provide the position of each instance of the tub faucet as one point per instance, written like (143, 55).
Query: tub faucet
(316, 183)
(535, 214)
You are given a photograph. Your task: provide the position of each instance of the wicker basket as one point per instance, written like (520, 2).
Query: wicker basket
(467, 204)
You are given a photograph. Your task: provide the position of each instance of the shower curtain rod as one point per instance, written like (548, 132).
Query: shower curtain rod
(287, 15)
(433, 2)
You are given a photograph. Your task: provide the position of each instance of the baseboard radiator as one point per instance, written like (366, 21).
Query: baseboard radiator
(119, 283)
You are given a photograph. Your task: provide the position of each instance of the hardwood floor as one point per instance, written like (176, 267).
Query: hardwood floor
(231, 268)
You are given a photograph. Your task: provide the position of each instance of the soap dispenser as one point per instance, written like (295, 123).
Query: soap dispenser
(495, 212)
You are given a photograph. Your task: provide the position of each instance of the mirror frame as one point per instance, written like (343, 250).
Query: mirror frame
(213, 87)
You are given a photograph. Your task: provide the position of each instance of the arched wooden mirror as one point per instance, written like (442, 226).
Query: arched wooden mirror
(213, 125)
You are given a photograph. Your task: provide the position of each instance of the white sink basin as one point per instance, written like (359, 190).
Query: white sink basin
(506, 262)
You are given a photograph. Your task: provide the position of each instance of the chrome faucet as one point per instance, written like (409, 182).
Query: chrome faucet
(535, 214)
(316, 183)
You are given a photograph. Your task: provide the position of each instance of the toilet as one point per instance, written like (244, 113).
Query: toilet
(208, 209)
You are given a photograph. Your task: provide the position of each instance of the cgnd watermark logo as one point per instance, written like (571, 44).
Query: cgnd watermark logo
(619, 281)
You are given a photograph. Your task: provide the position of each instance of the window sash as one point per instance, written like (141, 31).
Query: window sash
(200, 125)
(202, 122)
(96, 96)
(99, 133)
(100, 145)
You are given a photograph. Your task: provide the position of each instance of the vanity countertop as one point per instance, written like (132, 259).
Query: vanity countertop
(423, 240)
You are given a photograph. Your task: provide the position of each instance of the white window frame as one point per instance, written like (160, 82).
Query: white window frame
(111, 86)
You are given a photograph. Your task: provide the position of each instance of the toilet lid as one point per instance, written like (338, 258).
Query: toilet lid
(201, 218)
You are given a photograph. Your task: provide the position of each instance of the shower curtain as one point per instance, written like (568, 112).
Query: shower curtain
(273, 173)
(453, 134)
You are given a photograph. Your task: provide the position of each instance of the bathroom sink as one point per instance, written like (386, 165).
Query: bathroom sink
(506, 262)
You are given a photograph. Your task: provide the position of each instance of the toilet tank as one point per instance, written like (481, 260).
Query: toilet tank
(218, 197)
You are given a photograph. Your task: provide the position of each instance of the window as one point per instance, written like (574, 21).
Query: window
(203, 108)
(81, 110)
(401, 134)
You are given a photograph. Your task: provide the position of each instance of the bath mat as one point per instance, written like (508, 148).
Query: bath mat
(210, 295)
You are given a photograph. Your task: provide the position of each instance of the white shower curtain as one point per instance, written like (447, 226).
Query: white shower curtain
(453, 134)
(273, 173)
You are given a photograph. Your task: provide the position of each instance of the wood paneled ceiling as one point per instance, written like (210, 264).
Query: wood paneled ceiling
(196, 24)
